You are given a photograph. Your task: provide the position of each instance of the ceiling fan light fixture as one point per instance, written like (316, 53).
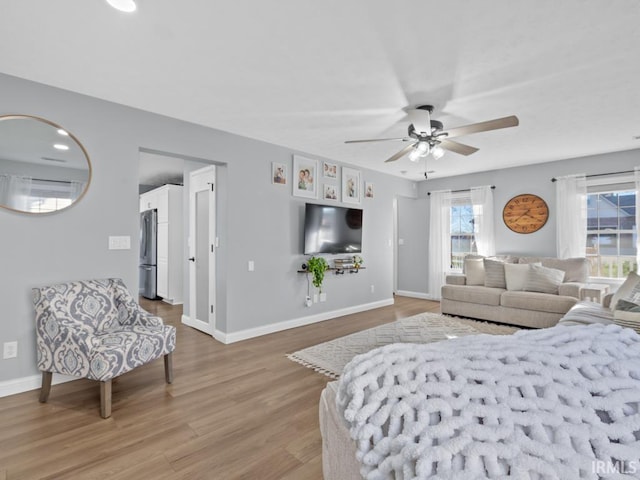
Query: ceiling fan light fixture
(414, 156)
(437, 152)
(423, 149)
(126, 6)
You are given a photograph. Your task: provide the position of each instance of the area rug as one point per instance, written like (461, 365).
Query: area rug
(330, 357)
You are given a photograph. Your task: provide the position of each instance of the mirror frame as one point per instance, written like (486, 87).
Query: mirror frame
(15, 116)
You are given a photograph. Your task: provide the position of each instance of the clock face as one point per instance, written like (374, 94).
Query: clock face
(525, 213)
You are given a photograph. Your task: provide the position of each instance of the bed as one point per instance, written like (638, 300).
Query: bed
(559, 403)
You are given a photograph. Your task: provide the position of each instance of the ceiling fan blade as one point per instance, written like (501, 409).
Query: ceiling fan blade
(456, 147)
(496, 124)
(421, 120)
(401, 153)
(404, 139)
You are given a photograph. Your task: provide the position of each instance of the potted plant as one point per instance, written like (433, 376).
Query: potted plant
(317, 266)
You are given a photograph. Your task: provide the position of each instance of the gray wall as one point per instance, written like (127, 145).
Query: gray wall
(257, 220)
(413, 231)
(534, 179)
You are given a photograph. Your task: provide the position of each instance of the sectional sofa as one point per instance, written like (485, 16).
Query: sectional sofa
(525, 291)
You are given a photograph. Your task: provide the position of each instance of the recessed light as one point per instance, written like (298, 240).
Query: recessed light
(51, 159)
(63, 132)
(61, 146)
(127, 6)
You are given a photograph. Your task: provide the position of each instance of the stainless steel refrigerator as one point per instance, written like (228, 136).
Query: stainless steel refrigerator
(148, 253)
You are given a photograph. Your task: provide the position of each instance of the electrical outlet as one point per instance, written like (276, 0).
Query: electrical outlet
(251, 265)
(307, 301)
(10, 350)
(323, 297)
(373, 288)
(315, 298)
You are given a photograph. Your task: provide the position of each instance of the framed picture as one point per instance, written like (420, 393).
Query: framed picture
(351, 185)
(368, 190)
(330, 192)
(330, 170)
(278, 173)
(304, 179)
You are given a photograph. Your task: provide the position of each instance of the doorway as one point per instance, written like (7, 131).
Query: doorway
(201, 247)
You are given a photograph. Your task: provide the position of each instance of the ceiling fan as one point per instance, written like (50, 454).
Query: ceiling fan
(428, 136)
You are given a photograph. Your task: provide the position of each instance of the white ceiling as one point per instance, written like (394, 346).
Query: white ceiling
(309, 75)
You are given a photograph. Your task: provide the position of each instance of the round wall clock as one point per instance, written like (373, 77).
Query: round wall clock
(525, 213)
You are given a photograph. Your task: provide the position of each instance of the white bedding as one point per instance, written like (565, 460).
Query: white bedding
(559, 403)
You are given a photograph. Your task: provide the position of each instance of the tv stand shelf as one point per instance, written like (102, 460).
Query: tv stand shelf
(338, 271)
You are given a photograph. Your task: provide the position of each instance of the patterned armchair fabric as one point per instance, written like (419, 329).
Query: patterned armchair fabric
(95, 329)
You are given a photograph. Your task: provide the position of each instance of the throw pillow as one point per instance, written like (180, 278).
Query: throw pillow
(625, 289)
(627, 306)
(628, 318)
(633, 297)
(516, 275)
(474, 268)
(543, 279)
(494, 274)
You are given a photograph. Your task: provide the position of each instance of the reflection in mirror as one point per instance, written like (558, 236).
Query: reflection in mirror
(43, 168)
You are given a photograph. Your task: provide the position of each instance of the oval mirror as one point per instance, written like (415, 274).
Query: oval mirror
(43, 167)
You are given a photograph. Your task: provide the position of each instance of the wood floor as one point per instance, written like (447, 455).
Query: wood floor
(239, 411)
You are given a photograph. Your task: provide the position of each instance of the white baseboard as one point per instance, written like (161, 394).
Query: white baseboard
(423, 296)
(233, 337)
(33, 382)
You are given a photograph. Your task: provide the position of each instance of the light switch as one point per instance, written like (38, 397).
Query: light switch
(251, 266)
(120, 243)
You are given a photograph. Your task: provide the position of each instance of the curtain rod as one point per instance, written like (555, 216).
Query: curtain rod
(493, 187)
(554, 179)
(44, 179)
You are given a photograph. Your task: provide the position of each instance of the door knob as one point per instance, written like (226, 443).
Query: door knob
(192, 259)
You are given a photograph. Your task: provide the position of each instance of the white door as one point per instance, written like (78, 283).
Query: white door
(201, 247)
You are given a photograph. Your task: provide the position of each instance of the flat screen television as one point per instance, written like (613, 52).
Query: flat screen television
(332, 229)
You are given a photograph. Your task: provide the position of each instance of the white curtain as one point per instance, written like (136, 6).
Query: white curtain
(439, 241)
(571, 216)
(637, 181)
(75, 190)
(4, 189)
(483, 226)
(15, 192)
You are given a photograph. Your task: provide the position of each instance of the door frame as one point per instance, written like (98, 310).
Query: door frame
(200, 180)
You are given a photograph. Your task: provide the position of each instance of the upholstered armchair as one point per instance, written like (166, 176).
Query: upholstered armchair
(95, 329)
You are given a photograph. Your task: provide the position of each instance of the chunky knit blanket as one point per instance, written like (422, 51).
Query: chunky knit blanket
(559, 403)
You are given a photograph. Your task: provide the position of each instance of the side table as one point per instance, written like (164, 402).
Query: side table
(594, 292)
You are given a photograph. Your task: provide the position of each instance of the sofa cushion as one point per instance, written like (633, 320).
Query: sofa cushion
(473, 294)
(570, 289)
(541, 302)
(455, 279)
(575, 269)
(474, 270)
(516, 275)
(494, 274)
(543, 279)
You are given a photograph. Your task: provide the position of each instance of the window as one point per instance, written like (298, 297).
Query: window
(462, 231)
(49, 195)
(611, 232)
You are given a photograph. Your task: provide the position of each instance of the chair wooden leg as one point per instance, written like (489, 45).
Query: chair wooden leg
(168, 367)
(105, 399)
(46, 386)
